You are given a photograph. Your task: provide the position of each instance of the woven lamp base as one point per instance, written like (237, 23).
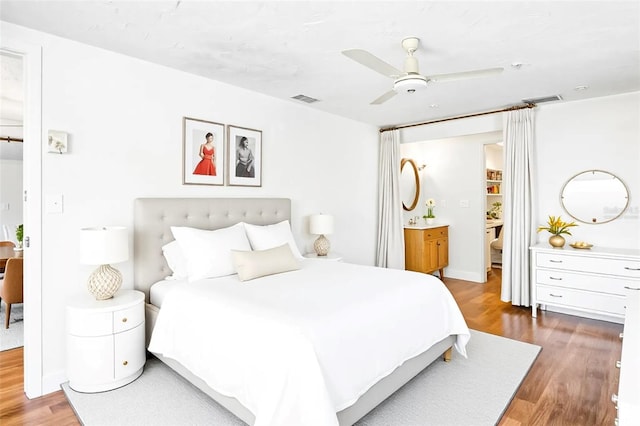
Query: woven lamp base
(104, 282)
(322, 246)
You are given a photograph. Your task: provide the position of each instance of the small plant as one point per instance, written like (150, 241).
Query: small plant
(431, 203)
(19, 235)
(556, 226)
(496, 210)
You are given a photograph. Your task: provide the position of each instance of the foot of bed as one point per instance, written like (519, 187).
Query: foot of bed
(447, 355)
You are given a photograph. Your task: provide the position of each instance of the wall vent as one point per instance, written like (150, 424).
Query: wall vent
(543, 99)
(304, 98)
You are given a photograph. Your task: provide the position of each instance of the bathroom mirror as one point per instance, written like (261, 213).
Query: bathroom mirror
(409, 184)
(594, 196)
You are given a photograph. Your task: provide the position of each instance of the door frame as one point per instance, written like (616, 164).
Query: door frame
(32, 209)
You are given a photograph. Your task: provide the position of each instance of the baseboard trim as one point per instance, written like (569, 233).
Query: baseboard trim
(51, 382)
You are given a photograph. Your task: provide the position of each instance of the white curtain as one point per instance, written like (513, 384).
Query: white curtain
(390, 251)
(519, 231)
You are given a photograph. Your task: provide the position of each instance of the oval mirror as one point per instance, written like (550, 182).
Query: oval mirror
(594, 196)
(409, 184)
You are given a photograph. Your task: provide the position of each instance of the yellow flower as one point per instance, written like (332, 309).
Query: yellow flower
(556, 226)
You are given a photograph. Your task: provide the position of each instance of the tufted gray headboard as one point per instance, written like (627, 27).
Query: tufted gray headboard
(154, 217)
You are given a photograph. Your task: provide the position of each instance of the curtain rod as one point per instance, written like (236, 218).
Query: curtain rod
(476, 114)
(10, 139)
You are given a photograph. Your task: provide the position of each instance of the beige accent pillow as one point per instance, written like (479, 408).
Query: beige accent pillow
(260, 263)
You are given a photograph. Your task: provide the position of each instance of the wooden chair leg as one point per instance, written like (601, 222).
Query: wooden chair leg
(6, 318)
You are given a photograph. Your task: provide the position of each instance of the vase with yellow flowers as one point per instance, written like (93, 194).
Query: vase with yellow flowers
(556, 226)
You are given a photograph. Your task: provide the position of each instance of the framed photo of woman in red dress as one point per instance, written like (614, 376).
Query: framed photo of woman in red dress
(203, 152)
(245, 156)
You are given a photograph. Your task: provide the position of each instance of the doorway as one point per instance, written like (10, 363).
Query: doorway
(494, 223)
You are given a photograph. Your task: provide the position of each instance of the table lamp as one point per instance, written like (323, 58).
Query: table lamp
(321, 224)
(102, 246)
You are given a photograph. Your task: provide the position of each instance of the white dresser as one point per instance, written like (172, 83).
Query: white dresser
(105, 341)
(628, 398)
(586, 282)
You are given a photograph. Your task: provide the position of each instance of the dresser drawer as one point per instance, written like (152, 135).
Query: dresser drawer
(430, 234)
(587, 282)
(89, 323)
(600, 265)
(126, 319)
(583, 300)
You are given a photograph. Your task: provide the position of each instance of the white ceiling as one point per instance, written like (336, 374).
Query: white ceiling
(285, 48)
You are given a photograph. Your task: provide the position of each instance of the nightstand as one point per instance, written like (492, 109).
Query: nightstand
(105, 341)
(331, 256)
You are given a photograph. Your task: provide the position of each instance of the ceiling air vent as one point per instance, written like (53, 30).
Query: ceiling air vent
(537, 101)
(304, 98)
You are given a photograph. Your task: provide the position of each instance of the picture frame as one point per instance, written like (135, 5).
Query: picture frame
(244, 156)
(205, 168)
(57, 141)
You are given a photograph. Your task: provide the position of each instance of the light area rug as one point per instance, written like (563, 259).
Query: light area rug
(474, 391)
(13, 337)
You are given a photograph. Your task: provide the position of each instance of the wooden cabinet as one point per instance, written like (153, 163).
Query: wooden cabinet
(426, 249)
(105, 341)
(590, 283)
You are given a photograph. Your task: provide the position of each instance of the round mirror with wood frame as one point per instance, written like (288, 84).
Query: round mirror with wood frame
(409, 184)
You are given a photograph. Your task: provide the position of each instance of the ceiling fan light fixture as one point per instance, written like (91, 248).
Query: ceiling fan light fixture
(410, 84)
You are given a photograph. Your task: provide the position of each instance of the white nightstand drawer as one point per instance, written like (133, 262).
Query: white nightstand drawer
(618, 267)
(570, 298)
(127, 319)
(89, 323)
(130, 355)
(597, 283)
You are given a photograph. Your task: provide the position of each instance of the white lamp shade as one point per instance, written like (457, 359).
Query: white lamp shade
(321, 224)
(104, 245)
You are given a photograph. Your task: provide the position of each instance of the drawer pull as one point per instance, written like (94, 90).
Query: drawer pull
(618, 364)
(631, 269)
(621, 336)
(124, 319)
(614, 398)
(125, 363)
(555, 295)
(555, 261)
(554, 278)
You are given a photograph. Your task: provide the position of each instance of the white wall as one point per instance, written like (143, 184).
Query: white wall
(601, 133)
(10, 196)
(124, 119)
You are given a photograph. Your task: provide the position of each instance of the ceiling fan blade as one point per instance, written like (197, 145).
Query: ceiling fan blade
(384, 98)
(465, 74)
(370, 61)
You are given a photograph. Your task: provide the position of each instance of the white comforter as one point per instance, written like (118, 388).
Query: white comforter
(297, 347)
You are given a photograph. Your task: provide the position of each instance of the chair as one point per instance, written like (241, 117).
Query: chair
(11, 286)
(4, 261)
(496, 250)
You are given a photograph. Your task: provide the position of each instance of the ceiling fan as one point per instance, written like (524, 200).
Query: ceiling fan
(410, 79)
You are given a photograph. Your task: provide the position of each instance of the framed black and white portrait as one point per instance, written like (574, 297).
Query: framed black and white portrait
(245, 156)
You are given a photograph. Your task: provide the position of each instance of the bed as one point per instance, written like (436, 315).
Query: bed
(316, 369)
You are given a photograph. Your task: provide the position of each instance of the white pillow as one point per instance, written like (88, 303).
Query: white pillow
(208, 253)
(259, 263)
(176, 261)
(270, 236)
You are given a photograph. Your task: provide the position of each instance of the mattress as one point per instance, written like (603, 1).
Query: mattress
(159, 290)
(297, 347)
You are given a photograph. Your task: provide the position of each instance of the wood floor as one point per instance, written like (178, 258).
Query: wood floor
(570, 383)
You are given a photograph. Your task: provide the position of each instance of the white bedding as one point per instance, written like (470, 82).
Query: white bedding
(297, 347)
(159, 290)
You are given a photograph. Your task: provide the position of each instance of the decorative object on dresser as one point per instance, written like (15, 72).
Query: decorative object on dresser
(102, 246)
(321, 224)
(627, 400)
(589, 283)
(556, 226)
(427, 249)
(105, 341)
